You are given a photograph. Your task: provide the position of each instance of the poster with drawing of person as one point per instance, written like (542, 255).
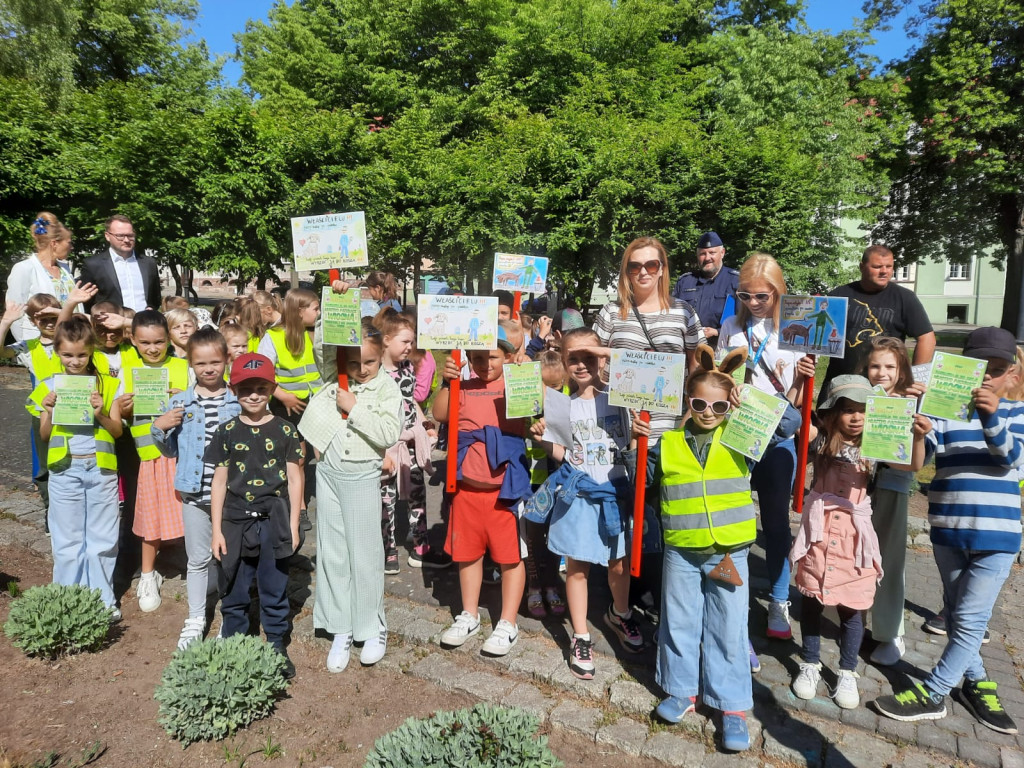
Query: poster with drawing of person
(593, 432)
(814, 325)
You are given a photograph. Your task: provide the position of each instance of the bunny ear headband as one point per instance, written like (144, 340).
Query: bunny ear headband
(732, 361)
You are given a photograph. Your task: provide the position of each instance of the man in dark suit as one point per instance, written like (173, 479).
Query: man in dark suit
(122, 276)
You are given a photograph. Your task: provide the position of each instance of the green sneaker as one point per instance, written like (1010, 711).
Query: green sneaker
(911, 705)
(980, 699)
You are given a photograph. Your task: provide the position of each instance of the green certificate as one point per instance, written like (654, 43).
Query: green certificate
(150, 387)
(524, 390)
(73, 408)
(949, 389)
(888, 429)
(341, 314)
(752, 425)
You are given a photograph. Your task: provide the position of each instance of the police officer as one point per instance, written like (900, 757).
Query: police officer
(710, 287)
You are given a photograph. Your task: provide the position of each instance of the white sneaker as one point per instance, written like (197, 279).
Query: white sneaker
(148, 592)
(778, 621)
(464, 627)
(887, 654)
(338, 656)
(374, 648)
(501, 640)
(805, 686)
(191, 632)
(846, 694)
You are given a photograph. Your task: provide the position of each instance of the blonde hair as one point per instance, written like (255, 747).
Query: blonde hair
(761, 266)
(626, 289)
(1016, 392)
(46, 230)
(268, 299)
(175, 316)
(295, 336)
(247, 313)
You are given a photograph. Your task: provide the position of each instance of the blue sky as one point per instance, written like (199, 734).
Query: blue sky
(220, 19)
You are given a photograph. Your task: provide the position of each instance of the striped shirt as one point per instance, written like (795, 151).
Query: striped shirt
(212, 407)
(676, 330)
(974, 500)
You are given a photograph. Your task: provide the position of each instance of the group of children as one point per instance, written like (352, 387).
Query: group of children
(227, 467)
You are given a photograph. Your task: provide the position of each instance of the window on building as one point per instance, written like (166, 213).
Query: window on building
(956, 313)
(959, 271)
(906, 274)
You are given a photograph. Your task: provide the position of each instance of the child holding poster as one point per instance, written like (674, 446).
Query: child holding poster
(888, 366)
(484, 509)
(83, 467)
(587, 500)
(836, 553)
(702, 638)
(157, 508)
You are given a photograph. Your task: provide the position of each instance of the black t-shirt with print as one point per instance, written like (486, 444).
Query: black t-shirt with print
(893, 311)
(256, 457)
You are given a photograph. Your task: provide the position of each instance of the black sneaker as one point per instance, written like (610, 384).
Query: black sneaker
(432, 558)
(391, 564)
(911, 705)
(980, 699)
(936, 625)
(289, 668)
(304, 522)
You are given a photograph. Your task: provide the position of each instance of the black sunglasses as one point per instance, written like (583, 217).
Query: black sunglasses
(633, 267)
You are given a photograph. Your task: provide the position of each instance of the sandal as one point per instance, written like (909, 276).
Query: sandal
(554, 600)
(535, 604)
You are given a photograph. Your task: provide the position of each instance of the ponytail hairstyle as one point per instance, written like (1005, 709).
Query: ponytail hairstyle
(384, 280)
(46, 230)
(370, 334)
(391, 323)
(295, 335)
(247, 313)
(78, 328)
(268, 301)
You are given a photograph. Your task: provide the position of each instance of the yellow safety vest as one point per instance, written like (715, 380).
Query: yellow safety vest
(129, 359)
(538, 463)
(253, 344)
(298, 375)
(177, 378)
(705, 507)
(57, 452)
(43, 359)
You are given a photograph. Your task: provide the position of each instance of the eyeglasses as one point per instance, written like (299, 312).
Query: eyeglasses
(122, 237)
(761, 297)
(650, 267)
(719, 407)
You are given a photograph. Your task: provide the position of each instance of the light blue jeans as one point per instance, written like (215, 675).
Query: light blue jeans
(694, 610)
(971, 581)
(772, 478)
(84, 526)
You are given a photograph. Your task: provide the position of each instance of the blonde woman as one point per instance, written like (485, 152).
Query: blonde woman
(45, 271)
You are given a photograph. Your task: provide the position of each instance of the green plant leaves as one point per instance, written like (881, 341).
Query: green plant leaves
(56, 620)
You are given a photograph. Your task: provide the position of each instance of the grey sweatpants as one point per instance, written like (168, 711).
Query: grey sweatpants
(198, 533)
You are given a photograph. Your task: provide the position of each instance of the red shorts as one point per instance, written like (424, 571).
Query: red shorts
(478, 524)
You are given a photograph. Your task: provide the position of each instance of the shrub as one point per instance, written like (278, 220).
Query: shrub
(482, 737)
(215, 687)
(57, 619)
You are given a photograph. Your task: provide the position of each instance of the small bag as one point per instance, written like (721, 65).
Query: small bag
(725, 572)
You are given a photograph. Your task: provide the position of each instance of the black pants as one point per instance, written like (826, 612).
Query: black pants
(851, 633)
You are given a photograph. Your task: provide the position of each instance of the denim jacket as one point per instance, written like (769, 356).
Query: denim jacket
(187, 441)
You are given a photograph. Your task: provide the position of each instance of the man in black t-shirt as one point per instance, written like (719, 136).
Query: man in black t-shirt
(879, 307)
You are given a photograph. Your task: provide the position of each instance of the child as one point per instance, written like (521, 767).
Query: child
(83, 470)
(290, 349)
(182, 324)
(350, 584)
(975, 537)
(254, 505)
(237, 339)
(590, 497)
(249, 315)
(410, 458)
(113, 352)
(270, 308)
(888, 366)
(835, 553)
(707, 535)
(483, 509)
(184, 433)
(157, 508)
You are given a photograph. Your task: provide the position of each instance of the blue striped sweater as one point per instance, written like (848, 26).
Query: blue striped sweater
(974, 500)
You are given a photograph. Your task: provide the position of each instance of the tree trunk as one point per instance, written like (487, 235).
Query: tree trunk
(171, 265)
(1013, 312)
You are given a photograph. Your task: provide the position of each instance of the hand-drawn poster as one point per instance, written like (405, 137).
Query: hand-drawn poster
(330, 241)
(341, 317)
(752, 425)
(74, 400)
(457, 322)
(515, 272)
(814, 325)
(888, 429)
(647, 381)
(150, 388)
(524, 390)
(953, 379)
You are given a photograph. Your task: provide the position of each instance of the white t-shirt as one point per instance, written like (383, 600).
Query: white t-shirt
(782, 363)
(599, 434)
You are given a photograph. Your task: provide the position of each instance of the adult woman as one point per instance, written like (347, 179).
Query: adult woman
(45, 271)
(769, 369)
(382, 286)
(644, 316)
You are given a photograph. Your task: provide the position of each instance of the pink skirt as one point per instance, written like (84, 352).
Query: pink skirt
(157, 505)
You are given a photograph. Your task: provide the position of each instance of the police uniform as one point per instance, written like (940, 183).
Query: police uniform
(708, 295)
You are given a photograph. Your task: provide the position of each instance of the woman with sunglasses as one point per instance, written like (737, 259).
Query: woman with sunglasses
(769, 369)
(644, 316)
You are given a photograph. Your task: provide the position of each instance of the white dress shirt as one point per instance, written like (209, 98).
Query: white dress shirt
(129, 277)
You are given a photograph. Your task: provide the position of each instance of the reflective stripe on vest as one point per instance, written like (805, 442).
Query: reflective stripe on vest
(298, 375)
(705, 506)
(177, 378)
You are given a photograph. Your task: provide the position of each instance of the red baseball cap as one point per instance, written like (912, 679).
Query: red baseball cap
(251, 365)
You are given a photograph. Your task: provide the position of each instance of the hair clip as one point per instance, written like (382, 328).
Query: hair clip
(41, 226)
